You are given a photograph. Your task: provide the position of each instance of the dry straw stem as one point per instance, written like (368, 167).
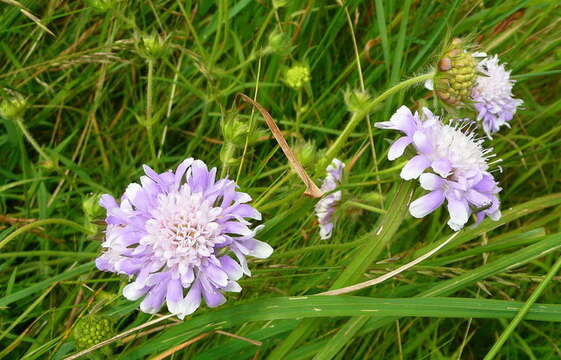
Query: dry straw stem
(311, 188)
(28, 13)
(391, 274)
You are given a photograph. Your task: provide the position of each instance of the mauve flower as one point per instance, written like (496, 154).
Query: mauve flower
(492, 95)
(457, 164)
(174, 234)
(325, 207)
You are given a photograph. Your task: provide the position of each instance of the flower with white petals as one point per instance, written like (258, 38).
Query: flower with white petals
(457, 164)
(174, 234)
(492, 95)
(325, 207)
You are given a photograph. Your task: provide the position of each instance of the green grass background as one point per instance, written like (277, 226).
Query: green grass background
(94, 117)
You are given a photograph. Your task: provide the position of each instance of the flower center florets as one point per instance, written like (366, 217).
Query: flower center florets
(463, 151)
(183, 228)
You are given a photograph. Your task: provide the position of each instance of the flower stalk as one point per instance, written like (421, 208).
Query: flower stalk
(358, 116)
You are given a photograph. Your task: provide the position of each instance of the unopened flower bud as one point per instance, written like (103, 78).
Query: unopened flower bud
(306, 153)
(102, 5)
(297, 76)
(279, 3)
(234, 129)
(455, 74)
(152, 46)
(356, 101)
(91, 330)
(279, 43)
(13, 107)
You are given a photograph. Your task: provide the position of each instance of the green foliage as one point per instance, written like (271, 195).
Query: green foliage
(110, 85)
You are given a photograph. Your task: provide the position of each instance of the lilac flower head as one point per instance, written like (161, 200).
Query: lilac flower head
(325, 207)
(492, 95)
(173, 235)
(457, 164)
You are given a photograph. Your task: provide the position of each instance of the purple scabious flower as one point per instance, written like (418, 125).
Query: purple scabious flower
(173, 235)
(492, 95)
(325, 207)
(456, 164)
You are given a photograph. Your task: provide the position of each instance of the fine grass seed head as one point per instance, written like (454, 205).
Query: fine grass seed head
(455, 73)
(92, 329)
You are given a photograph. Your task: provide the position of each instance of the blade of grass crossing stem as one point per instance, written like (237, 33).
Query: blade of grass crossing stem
(383, 232)
(341, 306)
(523, 311)
(354, 326)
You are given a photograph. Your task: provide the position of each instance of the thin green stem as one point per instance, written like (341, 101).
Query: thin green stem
(32, 141)
(367, 207)
(359, 116)
(38, 223)
(523, 311)
(149, 120)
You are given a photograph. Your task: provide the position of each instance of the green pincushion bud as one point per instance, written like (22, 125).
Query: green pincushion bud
(102, 6)
(234, 129)
(306, 153)
(152, 46)
(297, 76)
(456, 73)
(91, 330)
(356, 100)
(13, 107)
(279, 43)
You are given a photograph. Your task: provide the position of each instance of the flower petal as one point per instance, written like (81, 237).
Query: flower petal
(431, 181)
(426, 204)
(415, 167)
(398, 147)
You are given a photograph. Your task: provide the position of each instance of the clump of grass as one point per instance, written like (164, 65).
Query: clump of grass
(98, 106)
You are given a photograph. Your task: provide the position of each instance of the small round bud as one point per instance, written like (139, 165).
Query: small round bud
(13, 107)
(297, 76)
(152, 46)
(102, 6)
(356, 100)
(279, 43)
(92, 329)
(279, 3)
(234, 129)
(306, 153)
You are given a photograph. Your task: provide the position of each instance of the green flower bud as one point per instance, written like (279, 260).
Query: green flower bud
(306, 153)
(279, 43)
(152, 46)
(92, 209)
(456, 73)
(14, 107)
(297, 76)
(279, 3)
(356, 101)
(234, 129)
(92, 329)
(102, 6)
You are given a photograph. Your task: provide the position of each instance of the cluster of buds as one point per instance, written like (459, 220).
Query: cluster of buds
(236, 131)
(297, 76)
(91, 330)
(455, 75)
